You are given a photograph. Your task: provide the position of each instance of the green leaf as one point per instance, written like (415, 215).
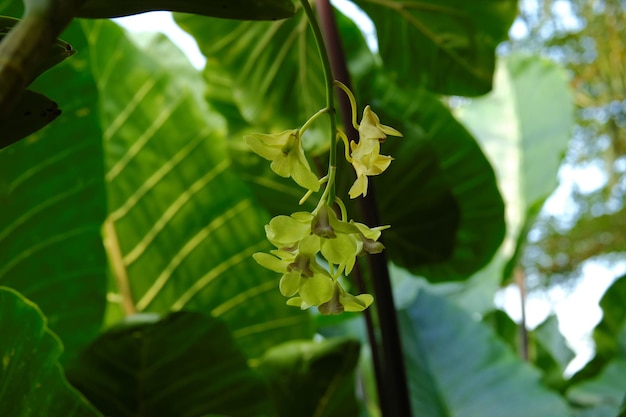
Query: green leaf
(457, 367)
(524, 126)
(226, 9)
(448, 46)
(610, 334)
(503, 326)
(597, 411)
(312, 378)
(31, 380)
(275, 67)
(547, 334)
(32, 112)
(186, 364)
(546, 346)
(606, 389)
(52, 206)
(182, 227)
(440, 193)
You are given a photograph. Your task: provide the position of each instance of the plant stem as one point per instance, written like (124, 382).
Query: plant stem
(23, 48)
(330, 97)
(523, 330)
(391, 374)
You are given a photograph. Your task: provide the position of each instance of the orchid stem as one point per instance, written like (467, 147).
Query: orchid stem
(346, 90)
(330, 100)
(312, 119)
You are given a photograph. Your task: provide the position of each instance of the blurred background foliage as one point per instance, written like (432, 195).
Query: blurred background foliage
(587, 37)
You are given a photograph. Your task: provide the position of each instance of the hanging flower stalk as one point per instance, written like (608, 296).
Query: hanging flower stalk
(313, 250)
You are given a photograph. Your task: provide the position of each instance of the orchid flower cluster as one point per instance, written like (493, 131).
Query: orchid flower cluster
(305, 241)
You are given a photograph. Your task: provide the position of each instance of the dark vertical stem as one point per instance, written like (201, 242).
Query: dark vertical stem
(523, 329)
(394, 372)
(391, 373)
(373, 339)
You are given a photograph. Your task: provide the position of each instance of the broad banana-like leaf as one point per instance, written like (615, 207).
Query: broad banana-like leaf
(228, 9)
(186, 364)
(447, 46)
(52, 205)
(182, 227)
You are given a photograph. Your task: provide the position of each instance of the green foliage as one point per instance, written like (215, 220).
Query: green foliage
(551, 353)
(31, 381)
(604, 392)
(123, 371)
(447, 46)
(184, 225)
(435, 149)
(527, 118)
(148, 160)
(456, 222)
(312, 378)
(264, 61)
(441, 359)
(610, 334)
(546, 347)
(52, 205)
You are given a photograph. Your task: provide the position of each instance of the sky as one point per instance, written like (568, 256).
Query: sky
(578, 311)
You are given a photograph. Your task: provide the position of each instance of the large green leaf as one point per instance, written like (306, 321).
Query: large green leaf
(226, 9)
(457, 367)
(181, 227)
(524, 126)
(439, 194)
(52, 205)
(185, 365)
(448, 46)
(309, 379)
(31, 380)
(277, 76)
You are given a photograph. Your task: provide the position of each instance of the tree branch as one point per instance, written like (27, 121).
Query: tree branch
(22, 51)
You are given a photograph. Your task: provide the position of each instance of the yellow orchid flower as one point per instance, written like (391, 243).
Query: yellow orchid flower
(372, 132)
(301, 274)
(343, 301)
(367, 165)
(287, 155)
(365, 155)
